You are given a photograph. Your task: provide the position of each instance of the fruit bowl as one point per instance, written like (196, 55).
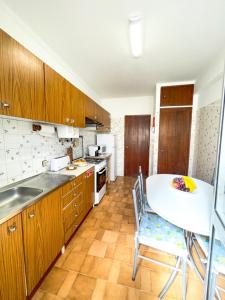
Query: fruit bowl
(184, 184)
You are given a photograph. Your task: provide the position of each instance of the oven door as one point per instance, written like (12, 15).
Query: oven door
(101, 179)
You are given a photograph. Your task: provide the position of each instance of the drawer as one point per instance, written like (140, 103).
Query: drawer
(72, 211)
(72, 194)
(72, 184)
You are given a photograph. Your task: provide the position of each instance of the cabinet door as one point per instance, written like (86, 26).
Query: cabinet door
(89, 190)
(66, 105)
(54, 95)
(33, 245)
(43, 236)
(12, 283)
(99, 113)
(52, 226)
(77, 107)
(90, 109)
(21, 80)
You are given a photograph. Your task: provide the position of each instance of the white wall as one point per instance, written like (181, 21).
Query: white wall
(209, 83)
(209, 88)
(119, 107)
(16, 28)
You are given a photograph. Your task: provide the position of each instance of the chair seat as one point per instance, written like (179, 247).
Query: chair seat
(219, 252)
(156, 232)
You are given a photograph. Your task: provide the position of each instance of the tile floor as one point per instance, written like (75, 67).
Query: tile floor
(97, 263)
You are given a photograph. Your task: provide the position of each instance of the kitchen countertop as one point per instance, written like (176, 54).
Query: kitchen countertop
(47, 182)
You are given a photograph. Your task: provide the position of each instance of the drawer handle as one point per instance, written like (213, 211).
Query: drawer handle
(5, 105)
(76, 205)
(76, 215)
(31, 215)
(12, 228)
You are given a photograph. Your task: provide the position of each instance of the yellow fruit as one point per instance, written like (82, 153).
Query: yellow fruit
(189, 183)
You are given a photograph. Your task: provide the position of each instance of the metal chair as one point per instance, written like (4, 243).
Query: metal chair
(146, 206)
(155, 232)
(219, 255)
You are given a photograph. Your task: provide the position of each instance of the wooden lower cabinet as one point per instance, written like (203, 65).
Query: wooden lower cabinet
(43, 236)
(12, 275)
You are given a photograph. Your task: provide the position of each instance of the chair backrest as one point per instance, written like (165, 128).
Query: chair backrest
(141, 181)
(137, 200)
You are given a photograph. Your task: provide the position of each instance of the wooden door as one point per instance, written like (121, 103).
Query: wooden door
(90, 109)
(174, 140)
(136, 145)
(21, 80)
(54, 95)
(12, 283)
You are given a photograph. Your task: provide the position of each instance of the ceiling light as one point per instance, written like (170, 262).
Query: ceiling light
(135, 32)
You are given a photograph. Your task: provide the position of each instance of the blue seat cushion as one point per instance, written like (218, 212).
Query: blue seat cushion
(156, 232)
(219, 252)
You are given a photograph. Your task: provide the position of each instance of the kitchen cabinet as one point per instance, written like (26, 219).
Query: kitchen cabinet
(43, 236)
(77, 107)
(177, 95)
(21, 81)
(89, 189)
(106, 127)
(73, 205)
(55, 97)
(90, 109)
(12, 283)
(99, 113)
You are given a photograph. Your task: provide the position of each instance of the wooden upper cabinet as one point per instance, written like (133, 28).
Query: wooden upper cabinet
(54, 95)
(90, 109)
(12, 283)
(21, 81)
(77, 107)
(177, 95)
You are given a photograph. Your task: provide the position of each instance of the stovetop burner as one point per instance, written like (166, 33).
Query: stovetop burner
(93, 160)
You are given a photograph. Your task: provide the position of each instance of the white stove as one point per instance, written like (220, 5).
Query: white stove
(100, 177)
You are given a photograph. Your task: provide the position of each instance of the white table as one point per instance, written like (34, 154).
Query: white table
(190, 211)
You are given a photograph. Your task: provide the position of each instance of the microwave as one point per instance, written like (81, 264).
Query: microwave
(101, 149)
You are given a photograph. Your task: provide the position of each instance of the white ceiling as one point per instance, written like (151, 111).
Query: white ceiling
(181, 37)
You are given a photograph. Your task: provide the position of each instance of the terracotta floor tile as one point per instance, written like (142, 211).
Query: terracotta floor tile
(99, 290)
(124, 254)
(125, 275)
(49, 296)
(54, 280)
(82, 288)
(128, 228)
(98, 248)
(110, 251)
(96, 267)
(74, 261)
(89, 233)
(67, 284)
(114, 272)
(115, 291)
(110, 236)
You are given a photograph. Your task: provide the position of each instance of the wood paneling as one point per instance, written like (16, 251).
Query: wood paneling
(136, 148)
(90, 109)
(177, 95)
(12, 283)
(77, 107)
(21, 80)
(43, 236)
(174, 140)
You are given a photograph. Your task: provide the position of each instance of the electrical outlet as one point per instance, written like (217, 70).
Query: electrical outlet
(44, 163)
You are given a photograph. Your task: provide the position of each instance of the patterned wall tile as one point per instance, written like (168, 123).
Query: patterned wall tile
(22, 150)
(207, 137)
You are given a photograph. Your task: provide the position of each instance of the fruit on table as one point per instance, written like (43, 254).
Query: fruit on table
(184, 183)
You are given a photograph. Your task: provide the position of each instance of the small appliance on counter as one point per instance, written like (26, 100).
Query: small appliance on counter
(101, 149)
(93, 150)
(59, 163)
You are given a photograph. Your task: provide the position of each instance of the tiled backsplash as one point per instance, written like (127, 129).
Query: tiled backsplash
(22, 150)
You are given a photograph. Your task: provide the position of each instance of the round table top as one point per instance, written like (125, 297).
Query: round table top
(190, 211)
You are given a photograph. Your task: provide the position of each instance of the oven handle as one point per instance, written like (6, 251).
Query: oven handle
(102, 171)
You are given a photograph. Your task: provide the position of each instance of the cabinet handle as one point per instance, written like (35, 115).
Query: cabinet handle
(5, 105)
(76, 205)
(67, 120)
(72, 121)
(76, 215)
(31, 215)
(12, 228)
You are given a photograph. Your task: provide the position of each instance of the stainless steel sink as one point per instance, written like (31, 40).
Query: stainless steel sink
(18, 195)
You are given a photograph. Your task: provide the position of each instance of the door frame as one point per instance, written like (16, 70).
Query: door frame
(149, 145)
